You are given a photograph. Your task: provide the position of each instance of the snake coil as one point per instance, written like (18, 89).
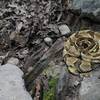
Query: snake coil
(82, 51)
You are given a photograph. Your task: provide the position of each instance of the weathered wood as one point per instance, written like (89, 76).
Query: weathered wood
(30, 61)
(43, 63)
(38, 93)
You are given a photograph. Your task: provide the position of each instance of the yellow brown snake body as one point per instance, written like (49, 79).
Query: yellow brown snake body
(81, 51)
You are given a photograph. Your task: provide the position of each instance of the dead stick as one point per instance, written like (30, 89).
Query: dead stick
(43, 63)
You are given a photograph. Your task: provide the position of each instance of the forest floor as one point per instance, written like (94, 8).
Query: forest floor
(32, 36)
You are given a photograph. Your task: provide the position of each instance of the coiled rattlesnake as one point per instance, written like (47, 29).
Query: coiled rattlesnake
(82, 51)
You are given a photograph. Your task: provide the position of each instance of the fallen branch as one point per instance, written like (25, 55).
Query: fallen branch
(34, 58)
(43, 63)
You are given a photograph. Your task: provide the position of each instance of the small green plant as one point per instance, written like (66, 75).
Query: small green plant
(50, 94)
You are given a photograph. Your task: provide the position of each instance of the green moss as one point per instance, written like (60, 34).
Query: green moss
(50, 94)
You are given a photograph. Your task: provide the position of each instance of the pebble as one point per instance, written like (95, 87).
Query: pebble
(13, 60)
(48, 40)
(12, 36)
(64, 29)
(25, 52)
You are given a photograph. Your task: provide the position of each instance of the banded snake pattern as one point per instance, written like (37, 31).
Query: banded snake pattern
(82, 51)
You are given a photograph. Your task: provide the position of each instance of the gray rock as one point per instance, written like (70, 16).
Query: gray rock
(11, 84)
(19, 26)
(62, 80)
(90, 7)
(90, 88)
(12, 36)
(64, 29)
(48, 40)
(25, 52)
(22, 54)
(13, 60)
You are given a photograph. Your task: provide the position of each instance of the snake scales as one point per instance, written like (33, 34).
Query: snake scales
(82, 51)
